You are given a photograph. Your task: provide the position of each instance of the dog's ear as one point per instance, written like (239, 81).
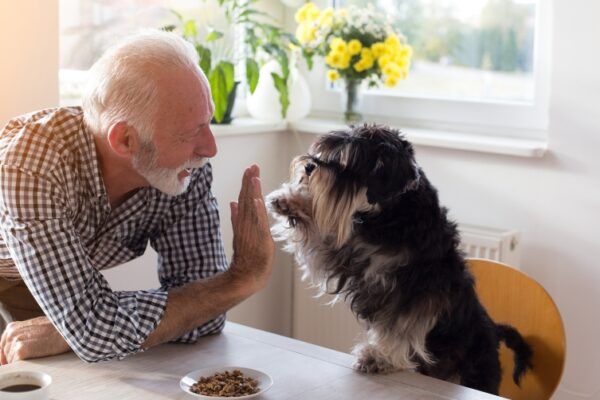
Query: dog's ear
(393, 172)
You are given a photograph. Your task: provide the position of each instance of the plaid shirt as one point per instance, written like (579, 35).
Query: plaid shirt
(58, 229)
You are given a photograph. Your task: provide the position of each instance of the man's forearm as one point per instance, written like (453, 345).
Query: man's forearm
(196, 303)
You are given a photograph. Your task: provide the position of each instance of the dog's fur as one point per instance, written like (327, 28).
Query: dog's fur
(365, 223)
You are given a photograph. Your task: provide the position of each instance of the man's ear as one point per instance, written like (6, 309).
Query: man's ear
(122, 139)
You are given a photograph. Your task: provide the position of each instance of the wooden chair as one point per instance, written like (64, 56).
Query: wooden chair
(513, 297)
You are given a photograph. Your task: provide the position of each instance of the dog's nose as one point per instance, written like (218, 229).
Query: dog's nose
(279, 205)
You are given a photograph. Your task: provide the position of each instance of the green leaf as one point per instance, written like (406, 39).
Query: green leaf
(218, 87)
(281, 57)
(189, 28)
(213, 35)
(228, 72)
(168, 28)
(252, 11)
(252, 73)
(284, 98)
(293, 40)
(308, 56)
(205, 61)
(222, 82)
(178, 15)
(252, 40)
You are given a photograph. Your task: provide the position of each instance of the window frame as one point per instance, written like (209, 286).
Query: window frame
(511, 119)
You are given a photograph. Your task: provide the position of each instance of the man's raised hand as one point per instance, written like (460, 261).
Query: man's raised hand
(253, 246)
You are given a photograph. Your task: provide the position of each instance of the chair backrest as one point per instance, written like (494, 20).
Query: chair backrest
(512, 297)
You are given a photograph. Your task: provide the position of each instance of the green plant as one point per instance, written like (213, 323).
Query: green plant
(263, 39)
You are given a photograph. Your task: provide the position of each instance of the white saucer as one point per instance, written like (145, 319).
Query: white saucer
(264, 381)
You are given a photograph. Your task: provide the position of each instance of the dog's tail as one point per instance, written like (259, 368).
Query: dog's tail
(522, 350)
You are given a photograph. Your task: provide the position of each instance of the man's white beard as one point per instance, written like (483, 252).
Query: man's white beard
(163, 179)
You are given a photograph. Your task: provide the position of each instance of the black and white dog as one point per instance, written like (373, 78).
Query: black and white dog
(365, 223)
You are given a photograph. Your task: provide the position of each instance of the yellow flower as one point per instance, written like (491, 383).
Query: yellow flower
(391, 50)
(359, 66)
(333, 59)
(333, 75)
(366, 53)
(345, 62)
(338, 45)
(308, 12)
(326, 17)
(338, 60)
(304, 33)
(384, 60)
(313, 14)
(354, 46)
(328, 12)
(377, 49)
(366, 63)
(392, 41)
(406, 52)
(402, 62)
(391, 69)
(300, 16)
(391, 81)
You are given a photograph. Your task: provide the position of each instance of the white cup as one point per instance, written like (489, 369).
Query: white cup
(10, 382)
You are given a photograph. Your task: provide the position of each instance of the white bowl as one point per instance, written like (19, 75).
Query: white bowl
(264, 381)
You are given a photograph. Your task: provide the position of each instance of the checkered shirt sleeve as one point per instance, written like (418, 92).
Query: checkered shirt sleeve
(189, 243)
(97, 323)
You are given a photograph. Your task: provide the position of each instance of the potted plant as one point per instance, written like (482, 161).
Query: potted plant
(263, 39)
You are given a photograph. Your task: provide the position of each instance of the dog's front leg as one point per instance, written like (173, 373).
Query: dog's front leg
(371, 360)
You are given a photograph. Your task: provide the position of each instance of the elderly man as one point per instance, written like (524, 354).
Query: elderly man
(84, 189)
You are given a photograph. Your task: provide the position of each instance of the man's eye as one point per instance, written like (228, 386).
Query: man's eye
(309, 168)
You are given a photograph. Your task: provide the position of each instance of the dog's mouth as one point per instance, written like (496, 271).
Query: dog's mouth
(282, 207)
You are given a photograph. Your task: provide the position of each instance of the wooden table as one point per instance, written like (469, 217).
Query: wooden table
(299, 371)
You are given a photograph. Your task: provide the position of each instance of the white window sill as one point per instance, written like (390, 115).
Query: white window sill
(247, 126)
(482, 143)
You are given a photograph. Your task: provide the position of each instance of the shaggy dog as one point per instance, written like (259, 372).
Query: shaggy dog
(364, 223)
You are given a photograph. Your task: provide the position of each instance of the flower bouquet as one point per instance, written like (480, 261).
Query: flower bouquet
(358, 44)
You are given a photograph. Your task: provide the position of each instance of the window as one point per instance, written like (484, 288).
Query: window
(467, 49)
(477, 64)
(89, 27)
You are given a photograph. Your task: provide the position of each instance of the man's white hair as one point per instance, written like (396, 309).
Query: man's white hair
(122, 89)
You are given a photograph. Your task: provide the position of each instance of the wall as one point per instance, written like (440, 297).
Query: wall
(28, 56)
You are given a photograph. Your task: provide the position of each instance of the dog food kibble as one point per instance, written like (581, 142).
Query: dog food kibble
(225, 384)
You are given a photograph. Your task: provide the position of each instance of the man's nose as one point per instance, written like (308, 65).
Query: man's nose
(207, 147)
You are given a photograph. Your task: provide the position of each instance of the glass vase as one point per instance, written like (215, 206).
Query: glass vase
(351, 101)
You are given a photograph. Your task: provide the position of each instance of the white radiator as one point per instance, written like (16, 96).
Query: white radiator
(315, 321)
(493, 244)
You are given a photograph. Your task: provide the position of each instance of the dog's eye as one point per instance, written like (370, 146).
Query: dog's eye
(309, 168)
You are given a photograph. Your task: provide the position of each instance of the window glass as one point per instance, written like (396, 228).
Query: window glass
(89, 27)
(480, 50)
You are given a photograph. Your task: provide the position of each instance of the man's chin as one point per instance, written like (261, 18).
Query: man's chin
(174, 187)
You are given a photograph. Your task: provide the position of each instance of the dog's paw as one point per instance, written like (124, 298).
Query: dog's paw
(281, 206)
(368, 364)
